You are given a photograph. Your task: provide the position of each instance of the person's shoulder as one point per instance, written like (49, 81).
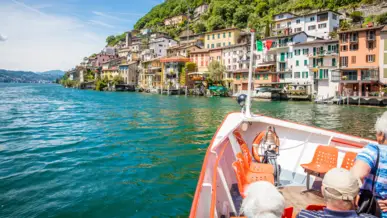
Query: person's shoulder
(372, 146)
(308, 213)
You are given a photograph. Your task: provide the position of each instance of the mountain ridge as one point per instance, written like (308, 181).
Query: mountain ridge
(16, 76)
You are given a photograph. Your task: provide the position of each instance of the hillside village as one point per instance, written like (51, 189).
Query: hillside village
(321, 54)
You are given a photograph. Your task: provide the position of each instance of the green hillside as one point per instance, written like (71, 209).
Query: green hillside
(239, 13)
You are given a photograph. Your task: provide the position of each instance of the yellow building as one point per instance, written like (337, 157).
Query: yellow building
(172, 21)
(221, 38)
(151, 77)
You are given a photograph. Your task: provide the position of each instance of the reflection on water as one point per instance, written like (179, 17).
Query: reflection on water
(72, 153)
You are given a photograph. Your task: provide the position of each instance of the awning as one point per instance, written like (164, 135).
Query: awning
(217, 88)
(265, 65)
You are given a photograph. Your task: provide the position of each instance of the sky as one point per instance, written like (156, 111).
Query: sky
(41, 35)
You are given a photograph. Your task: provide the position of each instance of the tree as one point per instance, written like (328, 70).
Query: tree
(241, 16)
(344, 25)
(117, 80)
(110, 39)
(199, 27)
(356, 16)
(216, 70)
(190, 66)
(381, 19)
(215, 23)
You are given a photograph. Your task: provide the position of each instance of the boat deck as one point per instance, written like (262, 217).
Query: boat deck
(293, 197)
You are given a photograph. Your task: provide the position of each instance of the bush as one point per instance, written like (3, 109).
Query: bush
(356, 16)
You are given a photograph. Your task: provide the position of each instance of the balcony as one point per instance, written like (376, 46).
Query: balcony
(284, 70)
(369, 75)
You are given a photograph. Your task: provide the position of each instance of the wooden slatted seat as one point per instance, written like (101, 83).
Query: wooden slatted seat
(324, 159)
(348, 160)
(288, 213)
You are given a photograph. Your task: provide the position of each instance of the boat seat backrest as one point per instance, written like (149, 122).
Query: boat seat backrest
(243, 145)
(242, 161)
(288, 212)
(326, 155)
(348, 160)
(255, 177)
(315, 207)
(241, 179)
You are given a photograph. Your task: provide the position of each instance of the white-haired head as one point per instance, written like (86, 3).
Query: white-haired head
(381, 128)
(262, 200)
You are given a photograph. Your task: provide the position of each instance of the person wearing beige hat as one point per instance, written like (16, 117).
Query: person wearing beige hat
(340, 189)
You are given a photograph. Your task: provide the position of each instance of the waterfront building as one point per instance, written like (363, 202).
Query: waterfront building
(314, 63)
(359, 61)
(109, 50)
(101, 58)
(110, 68)
(173, 75)
(383, 56)
(201, 58)
(175, 20)
(129, 71)
(150, 76)
(124, 52)
(318, 24)
(221, 38)
(236, 61)
(282, 49)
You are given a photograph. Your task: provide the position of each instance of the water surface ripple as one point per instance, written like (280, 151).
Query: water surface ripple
(72, 153)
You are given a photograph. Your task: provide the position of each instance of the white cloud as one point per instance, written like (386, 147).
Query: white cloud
(3, 38)
(105, 15)
(101, 23)
(38, 41)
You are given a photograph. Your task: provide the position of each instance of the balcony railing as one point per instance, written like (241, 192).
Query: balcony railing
(370, 76)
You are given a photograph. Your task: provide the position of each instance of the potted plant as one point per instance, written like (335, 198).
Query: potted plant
(344, 77)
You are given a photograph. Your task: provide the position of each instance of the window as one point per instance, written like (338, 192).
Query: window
(266, 76)
(224, 44)
(290, 55)
(305, 62)
(305, 75)
(289, 24)
(354, 37)
(297, 29)
(344, 37)
(257, 76)
(208, 45)
(305, 51)
(344, 48)
(213, 36)
(208, 37)
(278, 25)
(297, 52)
(353, 60)
(333, 62)
(343, 61)
(238, 77)
(370, 58)
(212, 46)
(298, 21)
(229, 43)
(334, 16)
(322, 25)
(324, 73)
(280, 16)
(224, 35)
(371, 45)
(296, 75)
(354, 47)
(311, 19)
(229, 34)
(313, 27)
(218, 35)
(297, 63)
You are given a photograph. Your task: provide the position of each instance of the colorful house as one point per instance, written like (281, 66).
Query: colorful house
(359, 61)
(173, 74)
(221, 38)
(151, 74)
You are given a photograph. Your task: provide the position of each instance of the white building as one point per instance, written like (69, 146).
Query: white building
(318, 24)
(160, 45)
(282, 52)
(314, 63)
(109, 50)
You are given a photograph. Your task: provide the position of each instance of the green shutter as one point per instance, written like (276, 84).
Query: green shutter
(314, 62)
(306, 73)
(321, 73)
(334, 62)
(314, 51)
(329, 48)
(305, 62)
(297, 63)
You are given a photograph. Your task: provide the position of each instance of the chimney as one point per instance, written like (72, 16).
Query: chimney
(370, 24)
(128, 39)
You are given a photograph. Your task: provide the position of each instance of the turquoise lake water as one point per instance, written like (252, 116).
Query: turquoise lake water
(74, 153)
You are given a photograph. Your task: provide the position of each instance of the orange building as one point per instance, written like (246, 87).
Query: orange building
(201, 58)
(359, 61)
(264, 76)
